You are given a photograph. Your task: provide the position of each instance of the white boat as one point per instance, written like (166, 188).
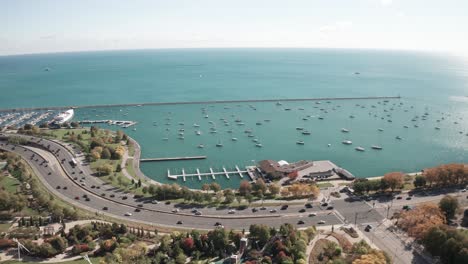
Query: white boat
(299, 128)
(347, 142)
(234, 139)
(376, 147)
(206, 116)
(255, 140)
(344, 130)
(250, 135)
(398, 137)
(201, 146)
(259, 123)
(438, 128)
(198, 132)
(64, 117)
(278, 103)
(360, 149)
(196, 125)
(380, 129)
(300, 142)
(258, 145)
(219, 144)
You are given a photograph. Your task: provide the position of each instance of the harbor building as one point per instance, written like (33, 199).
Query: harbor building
(322, 169)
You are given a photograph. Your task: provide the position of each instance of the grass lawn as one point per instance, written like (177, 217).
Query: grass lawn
(10, 184)
(4, 227)
(130, 169)
(324, 185)
(78, 261)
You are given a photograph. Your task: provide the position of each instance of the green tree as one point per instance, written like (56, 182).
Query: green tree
(215, 187)
(449, 206)
(419, 181)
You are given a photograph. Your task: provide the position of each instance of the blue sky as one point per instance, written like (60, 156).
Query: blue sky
(35, 26)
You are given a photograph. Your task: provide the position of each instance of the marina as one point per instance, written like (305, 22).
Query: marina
(211, 174)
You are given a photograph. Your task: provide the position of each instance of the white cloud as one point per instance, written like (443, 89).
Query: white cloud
(386, 2)
(337, 26)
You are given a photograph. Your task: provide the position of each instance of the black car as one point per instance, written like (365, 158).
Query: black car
(93, 186)
(112, 195)
(218, 224)
(325, 204)
(179, 222)
(254, 210)
(330, 207)
(85, 195)
(65, 187)
(408, 198)
(284, 207)
(168, 202)
(103, 194)
(58, 187)
(137, 210)
(105, 208)
(308, 205)
(399, 198)
(300, 222)
(124, 198)
(140, 205)
(368, 228)
(87, 199)
(302, 210)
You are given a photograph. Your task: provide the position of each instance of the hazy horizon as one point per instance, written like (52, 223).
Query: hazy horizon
(51, 26)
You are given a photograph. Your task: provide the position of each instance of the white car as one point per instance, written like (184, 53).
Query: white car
(273, 211)
(321, 222)
(128, 214)
(175, 210)
(231, 212)
(198, 213)
(155, 202)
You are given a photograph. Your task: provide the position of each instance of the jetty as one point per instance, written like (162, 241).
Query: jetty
(205, 102)
(211, 174)
(173, 158)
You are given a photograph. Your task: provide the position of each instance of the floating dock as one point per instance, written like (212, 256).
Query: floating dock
(123, 124)
(212, 173)
(173, 158)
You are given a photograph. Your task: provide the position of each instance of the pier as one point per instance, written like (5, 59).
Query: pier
(212, 173)
(206, 102)
(173, 158)
(123, 124)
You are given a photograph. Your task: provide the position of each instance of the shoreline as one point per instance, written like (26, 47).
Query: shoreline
(202, 102)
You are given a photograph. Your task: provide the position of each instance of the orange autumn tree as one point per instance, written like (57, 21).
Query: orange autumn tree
(418, 221)
(394, 180)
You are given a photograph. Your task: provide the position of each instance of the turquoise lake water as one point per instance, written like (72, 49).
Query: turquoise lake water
(432, 84)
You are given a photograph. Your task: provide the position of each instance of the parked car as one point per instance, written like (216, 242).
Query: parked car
(302, 210)
(105, 208)
(308, 205)
(284, 207)
(300, 222)
(128, 214)
(312, 214)
(273, 211)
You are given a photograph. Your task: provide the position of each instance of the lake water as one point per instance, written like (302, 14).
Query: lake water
(432, 84)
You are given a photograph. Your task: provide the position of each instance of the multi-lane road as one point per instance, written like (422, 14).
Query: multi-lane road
(51, 161)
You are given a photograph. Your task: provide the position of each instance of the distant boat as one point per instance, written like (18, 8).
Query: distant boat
(376, 147)
(305, 132)
(196, 125)
(305, 118)
(287, 109)
(279, 103)
(250, 135)
(321, 118)
(300, 142)
(166, 139)
(258, 145)
(258, 123)
(357, 73)
(234, 139)
(398, 137)
(134, 129)
(344, 130)
(201, 146)
(329, 145)
(198, 132)
(255, 140)
(380, 129)
(206, 116)
(360, 149)
(219, 144)
(351, 116)
(299, 128)
(438, 128)
(405, 126)
(347, 142)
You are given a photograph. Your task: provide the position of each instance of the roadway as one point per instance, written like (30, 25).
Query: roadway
(51, 162)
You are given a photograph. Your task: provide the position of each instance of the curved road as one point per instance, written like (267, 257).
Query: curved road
(51, 162)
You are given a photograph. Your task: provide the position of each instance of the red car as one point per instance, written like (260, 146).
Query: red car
(77, 198)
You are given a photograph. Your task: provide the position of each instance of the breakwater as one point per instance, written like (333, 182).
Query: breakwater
(173, 158)
(204, 102)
